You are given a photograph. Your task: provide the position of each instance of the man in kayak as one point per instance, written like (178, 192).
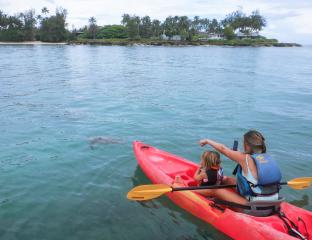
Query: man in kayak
(257, 176)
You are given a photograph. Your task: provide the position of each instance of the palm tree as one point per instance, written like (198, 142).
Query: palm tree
(137, 21)
(156, 28)
(196, 24)
(125, 19)
(183, 27)
(45, 10)
(92, 26)
(205, 22)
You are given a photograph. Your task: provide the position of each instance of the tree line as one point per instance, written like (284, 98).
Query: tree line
(136, 27)
(28, 26)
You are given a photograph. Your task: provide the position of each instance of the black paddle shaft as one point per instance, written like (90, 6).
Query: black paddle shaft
(211, 187)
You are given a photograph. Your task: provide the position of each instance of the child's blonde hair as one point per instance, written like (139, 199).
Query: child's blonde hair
(210, 159)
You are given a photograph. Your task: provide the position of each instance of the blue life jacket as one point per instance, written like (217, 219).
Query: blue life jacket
(269, 177)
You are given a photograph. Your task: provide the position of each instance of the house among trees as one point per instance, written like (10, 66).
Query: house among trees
(164, 37)
(172, 38)
(203, 36)
(176, 38)
(216, 36)
(241, 35)
(78, 33)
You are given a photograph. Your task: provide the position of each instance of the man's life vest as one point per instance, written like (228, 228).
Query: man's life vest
(269, 177)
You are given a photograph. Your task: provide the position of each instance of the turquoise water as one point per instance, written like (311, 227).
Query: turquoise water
(56, 184)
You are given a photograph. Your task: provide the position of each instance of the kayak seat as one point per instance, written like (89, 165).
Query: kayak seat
(264, 208)
(254, 208)
(186, 176)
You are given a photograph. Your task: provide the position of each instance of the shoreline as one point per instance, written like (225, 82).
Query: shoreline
(148, 42)
(33, 43)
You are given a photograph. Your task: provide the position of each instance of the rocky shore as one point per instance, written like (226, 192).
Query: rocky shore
(234, 42)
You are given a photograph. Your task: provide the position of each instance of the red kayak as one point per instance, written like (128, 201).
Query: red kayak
(162, 167)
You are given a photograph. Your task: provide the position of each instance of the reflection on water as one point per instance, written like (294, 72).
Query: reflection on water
(304, 202)
(139, 178)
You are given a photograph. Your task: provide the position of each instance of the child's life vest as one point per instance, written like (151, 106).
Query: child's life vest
(215, 176)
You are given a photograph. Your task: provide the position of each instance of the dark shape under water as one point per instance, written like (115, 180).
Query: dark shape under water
(304, 202)
(103, 140)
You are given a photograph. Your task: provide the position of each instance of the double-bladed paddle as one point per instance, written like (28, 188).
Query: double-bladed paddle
(147, 192)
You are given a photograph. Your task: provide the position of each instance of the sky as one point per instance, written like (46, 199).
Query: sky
(287, 20)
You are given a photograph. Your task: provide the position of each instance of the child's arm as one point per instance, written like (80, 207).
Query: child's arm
(236, 156)
(199, 174)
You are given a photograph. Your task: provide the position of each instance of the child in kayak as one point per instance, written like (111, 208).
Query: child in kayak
(209, 171)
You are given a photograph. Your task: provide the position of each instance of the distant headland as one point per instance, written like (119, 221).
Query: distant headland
(236, 29)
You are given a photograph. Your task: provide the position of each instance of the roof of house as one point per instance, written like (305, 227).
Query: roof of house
(252, 34)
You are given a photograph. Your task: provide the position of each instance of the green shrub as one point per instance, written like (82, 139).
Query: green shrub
(229, 33)
(112, 31)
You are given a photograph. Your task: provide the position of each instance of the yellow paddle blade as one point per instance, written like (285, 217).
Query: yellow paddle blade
(147, 192)
(309, 179)
(300, 183)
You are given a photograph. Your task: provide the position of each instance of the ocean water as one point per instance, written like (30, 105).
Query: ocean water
(59, 181)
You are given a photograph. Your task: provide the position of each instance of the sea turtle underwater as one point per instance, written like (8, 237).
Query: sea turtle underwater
(103, 140)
